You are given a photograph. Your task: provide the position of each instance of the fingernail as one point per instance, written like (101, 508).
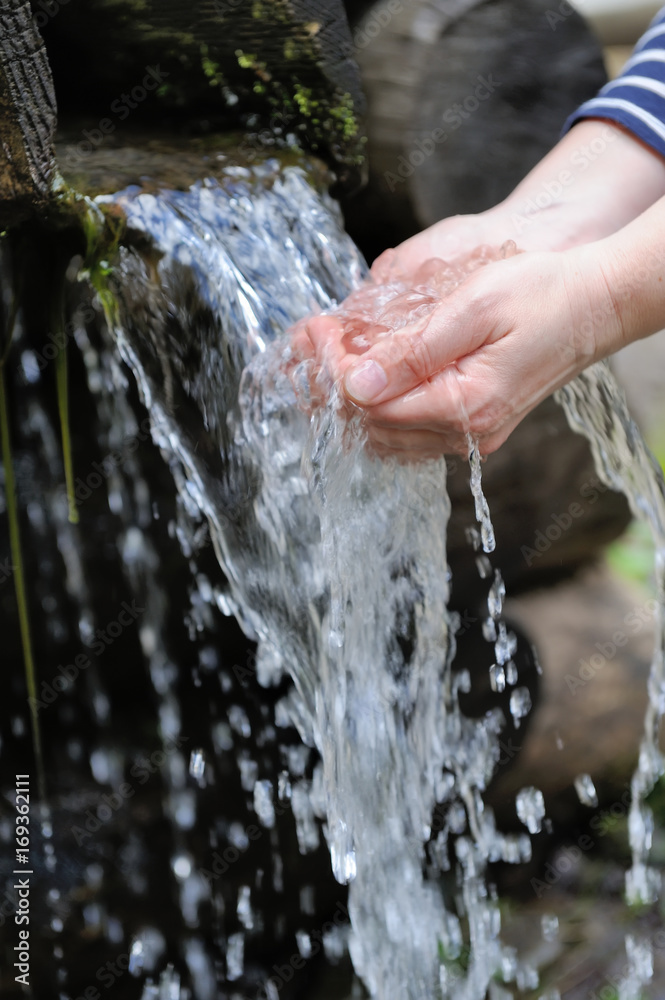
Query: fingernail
(364, 382)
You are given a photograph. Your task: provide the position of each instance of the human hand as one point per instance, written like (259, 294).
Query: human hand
(511, 333)
(577, 194)
(518, 329)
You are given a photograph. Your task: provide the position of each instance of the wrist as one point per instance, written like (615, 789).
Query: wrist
(619, 286)
(633, 262)
(595, 291)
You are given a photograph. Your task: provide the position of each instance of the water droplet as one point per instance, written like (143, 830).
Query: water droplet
(263, 803)
(520, 704)
(473, 537)
(18, 724)
(489, 630)
(182, 866)
(136, 957)
(235, 956)
(304, 943)
(496, 595)
(457, 818)
(530, 807)
(497, 678)
(506, 644)
(244, 908)
(586, 790)
(484, 567)
(511, 673)
(197, 765)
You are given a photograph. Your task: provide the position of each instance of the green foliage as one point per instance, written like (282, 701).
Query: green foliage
(631, 556)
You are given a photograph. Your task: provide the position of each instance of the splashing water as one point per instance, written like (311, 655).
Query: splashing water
(596, 408)
(336, 564)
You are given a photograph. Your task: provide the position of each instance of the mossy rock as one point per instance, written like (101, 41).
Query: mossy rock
(284, 66)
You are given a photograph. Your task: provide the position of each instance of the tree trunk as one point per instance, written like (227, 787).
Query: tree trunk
(27, 116)
(464, 98)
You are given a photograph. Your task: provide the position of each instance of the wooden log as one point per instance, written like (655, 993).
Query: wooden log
(464, 97)
(27, 115)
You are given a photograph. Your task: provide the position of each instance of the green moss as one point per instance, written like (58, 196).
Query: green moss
(304, 100)
(211, 68)
(344, 113)
(246, 60)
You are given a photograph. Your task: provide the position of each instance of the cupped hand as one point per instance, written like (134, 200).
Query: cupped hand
(503, 340)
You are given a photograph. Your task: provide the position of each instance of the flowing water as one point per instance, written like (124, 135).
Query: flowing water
(596, 408)
(334, 561)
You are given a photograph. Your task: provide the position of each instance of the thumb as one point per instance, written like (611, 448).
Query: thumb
(404, 360)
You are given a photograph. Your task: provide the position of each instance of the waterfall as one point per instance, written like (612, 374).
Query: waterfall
(334, 562)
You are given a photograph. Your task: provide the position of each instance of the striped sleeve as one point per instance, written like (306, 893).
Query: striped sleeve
(636, 99)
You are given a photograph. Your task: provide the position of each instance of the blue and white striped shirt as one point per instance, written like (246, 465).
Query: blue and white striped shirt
(636, 99)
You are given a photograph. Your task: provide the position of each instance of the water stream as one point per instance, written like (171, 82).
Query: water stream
(334, 562)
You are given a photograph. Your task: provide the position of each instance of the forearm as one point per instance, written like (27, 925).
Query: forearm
(596, 180)
(632, 265)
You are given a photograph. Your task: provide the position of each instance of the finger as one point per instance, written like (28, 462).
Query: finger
(418, 443)
(470, 397)
(301, 344)
(399, 363)
(438, 405)
(386, 267)
(325, 334)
